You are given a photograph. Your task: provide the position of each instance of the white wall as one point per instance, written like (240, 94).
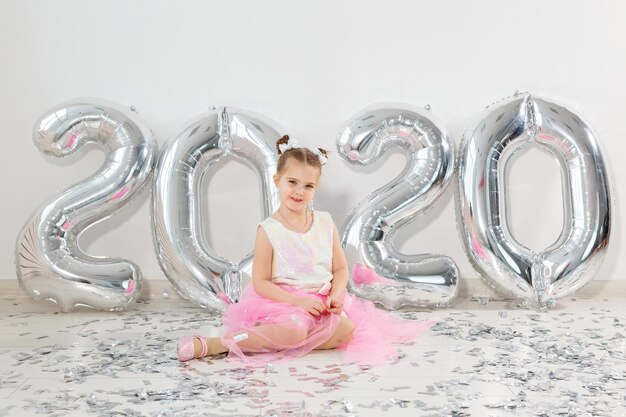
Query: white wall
(309, 66)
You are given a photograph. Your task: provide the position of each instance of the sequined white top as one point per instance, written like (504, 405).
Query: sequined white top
(304, 260)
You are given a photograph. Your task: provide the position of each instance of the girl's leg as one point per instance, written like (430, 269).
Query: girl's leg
(268, 338)
(271, 337)
(342, 335)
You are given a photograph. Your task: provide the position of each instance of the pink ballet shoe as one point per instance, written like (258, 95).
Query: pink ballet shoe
(185, 348)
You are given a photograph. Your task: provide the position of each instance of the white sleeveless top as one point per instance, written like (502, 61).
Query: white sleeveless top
(304, 260)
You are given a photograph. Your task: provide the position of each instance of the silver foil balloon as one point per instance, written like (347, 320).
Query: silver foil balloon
(197, 272)
(572, 260)
(50, 264)
(367, 236)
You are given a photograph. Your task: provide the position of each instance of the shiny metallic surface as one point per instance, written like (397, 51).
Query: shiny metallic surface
(50, 263)
(571, 261)
(191, 265)
(367, 236)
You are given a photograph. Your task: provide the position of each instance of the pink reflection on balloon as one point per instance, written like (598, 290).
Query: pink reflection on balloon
(478, 249)
(130, 286)
(363, 275)
(71, 140)
(121, 193)
(222, 296)
(548, 138)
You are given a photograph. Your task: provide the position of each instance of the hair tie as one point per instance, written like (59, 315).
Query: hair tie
(294, 144)
(323, 158)
(291, 144)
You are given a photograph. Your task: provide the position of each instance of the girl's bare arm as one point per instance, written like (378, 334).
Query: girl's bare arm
(262, 271)
(340, 266)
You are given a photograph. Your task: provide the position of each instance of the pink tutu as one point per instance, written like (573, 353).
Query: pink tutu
(289, 332)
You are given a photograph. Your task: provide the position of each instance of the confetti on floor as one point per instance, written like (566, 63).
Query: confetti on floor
(482, 358)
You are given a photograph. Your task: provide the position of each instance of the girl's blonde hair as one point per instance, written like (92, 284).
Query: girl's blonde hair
(303, 155)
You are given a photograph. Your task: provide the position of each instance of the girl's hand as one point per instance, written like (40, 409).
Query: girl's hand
(311, 305)
(334, 304)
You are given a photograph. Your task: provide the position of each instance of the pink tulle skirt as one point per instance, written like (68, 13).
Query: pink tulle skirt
(282, 331)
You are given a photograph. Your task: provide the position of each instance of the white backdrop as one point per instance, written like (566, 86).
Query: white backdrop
(309, 66)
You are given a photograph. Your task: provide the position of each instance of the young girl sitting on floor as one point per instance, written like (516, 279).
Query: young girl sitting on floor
(298, 301)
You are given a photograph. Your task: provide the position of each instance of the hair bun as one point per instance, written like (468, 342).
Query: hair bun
(280, 141)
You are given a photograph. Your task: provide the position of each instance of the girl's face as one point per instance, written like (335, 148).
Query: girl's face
(297, 184)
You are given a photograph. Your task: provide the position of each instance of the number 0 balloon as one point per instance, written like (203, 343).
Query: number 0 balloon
(577, 254)
(197, 272)
(50, 264)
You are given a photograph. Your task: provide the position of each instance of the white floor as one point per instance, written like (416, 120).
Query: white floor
(484, 358)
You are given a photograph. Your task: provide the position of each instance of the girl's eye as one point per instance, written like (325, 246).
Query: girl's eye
(309, 187)
(292, 182)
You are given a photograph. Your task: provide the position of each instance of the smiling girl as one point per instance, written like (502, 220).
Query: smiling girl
(298, 301)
